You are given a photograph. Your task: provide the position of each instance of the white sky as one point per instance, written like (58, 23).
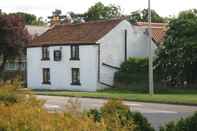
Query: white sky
(45, 7)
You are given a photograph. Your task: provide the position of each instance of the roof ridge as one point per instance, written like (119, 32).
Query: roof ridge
(91, 22)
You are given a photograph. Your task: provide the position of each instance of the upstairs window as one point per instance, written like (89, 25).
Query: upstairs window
(57, 55)
(74, 52)
(45, 53)
(75, 76)
(46, 75)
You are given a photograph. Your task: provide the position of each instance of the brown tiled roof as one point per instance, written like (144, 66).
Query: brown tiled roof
(158, 30)
(83, 33)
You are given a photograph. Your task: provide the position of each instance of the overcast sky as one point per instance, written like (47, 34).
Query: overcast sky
(45, 7)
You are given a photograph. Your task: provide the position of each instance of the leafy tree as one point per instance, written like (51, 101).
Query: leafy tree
(177, 60)
(13, 37)
(101, 12)
(30, 19)
(142, 15)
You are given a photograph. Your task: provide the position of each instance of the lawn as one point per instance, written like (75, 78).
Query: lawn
(171, 96)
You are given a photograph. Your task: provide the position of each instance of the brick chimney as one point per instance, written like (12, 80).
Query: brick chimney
(56, 18)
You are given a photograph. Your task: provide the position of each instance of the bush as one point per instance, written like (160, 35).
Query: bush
(29, 115)
(8, 92)
(26, 113)
(116, 115)
(134, 70)
(23, 112)
(140, 121)
(187, 124)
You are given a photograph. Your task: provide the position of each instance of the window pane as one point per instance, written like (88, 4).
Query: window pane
(45, 53)
(57, 55)
(46, 75)
(75, 52)
(75, 76)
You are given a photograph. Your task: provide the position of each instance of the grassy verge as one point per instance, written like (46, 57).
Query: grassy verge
(175, 96)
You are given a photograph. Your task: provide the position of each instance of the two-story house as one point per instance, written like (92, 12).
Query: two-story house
(83, 56)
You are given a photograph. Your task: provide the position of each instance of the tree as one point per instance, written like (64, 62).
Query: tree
(13, 37)
(177, 60)
(101, 12)
(142, 15)
(30, 19)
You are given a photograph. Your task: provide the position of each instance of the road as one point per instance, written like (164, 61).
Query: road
(157, 114)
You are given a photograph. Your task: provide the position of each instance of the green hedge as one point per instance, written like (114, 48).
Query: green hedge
(134, 70)
(187, 124)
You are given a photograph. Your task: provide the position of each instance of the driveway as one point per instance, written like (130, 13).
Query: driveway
(157, 114)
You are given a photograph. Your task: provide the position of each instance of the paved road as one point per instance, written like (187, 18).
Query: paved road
(157, 114)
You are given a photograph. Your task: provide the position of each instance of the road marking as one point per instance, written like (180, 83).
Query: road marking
(51, 106)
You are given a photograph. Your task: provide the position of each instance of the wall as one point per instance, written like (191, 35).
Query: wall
(60, 72)
(113, 49)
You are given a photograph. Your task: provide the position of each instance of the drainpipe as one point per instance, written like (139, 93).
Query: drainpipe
(125, 39)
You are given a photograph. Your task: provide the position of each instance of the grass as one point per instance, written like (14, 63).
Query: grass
(167, 95)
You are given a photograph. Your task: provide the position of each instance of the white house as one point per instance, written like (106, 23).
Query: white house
(85, 56)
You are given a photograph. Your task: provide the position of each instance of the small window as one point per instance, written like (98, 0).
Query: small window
(46, 76)
(57, 55)
(45, 53)
(75, 76)
(74, 52)
(11, 66)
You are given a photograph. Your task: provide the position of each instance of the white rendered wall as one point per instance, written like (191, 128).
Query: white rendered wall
(112, 47)
(60, 71)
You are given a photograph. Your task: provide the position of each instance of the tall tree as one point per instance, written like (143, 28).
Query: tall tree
(142, 15)
(101, 12)
(30, 19)
(177, 60)
(13, 37)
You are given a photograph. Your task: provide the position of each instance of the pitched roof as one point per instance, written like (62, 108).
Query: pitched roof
(158, 30)
(83, 33)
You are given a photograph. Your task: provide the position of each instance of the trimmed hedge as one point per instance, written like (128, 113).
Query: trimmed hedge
(134, 70)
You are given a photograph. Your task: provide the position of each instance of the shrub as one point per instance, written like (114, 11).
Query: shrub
(140, 121)
(134, 70)
(187, 124)
(30, 116)
(116, 115)
(8, 92)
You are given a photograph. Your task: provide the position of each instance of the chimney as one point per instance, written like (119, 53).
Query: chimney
(57, 18)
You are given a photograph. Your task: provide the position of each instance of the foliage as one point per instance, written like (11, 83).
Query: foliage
(13, 38)
(140, 121)
(101, 12)
(177, 60)
(118, 116)
(142, 15)
(29, 115)
(134, 70)
(187, 124)
(30, 19)
(8, 92)
(26, 113)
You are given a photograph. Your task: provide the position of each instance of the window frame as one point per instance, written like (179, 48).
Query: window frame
(74, 52)
(75, 79)
(57, 58)
(45, 53)
(46, 79)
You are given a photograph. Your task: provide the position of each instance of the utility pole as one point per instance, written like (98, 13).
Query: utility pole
(151, 88)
